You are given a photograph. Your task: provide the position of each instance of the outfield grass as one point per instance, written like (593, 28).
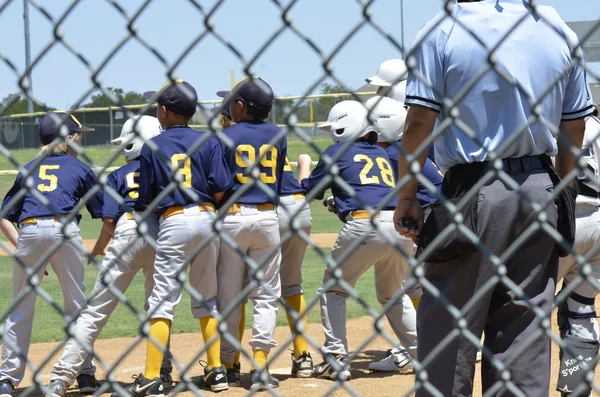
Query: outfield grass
(49, 324)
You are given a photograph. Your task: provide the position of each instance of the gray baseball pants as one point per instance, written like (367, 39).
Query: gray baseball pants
(512, 330)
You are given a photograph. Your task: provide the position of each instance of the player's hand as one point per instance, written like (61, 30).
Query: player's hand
(329, 202)
(408, 218)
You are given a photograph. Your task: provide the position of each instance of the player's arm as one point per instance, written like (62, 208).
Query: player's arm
(146, 176)
(106, 234)
(310, 181)
(110, 209)
(10, 231)
(95, 203)
(573, 131)
(220, 178)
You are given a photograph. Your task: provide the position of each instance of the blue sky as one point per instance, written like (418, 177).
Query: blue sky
(290, 65)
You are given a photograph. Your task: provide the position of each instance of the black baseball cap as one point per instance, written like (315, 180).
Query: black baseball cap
(178, 96)
(51, 124)
(254, 92)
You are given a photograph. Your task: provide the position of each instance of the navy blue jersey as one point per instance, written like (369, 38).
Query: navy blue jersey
(366, 168)
(251, 143)
(204, 173)
(125, 181)
(63, 180)
(289, 182)
(429, 171)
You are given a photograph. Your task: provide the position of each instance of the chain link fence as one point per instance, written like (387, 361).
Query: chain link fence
(353, 360)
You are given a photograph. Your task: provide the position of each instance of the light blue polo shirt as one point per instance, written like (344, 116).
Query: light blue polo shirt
(532, 58)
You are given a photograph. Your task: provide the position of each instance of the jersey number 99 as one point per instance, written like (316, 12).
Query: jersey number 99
(45, 176)
(245, 157)
(385, 170)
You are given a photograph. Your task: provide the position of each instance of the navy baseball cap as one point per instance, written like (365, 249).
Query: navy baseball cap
(51, 124)
(180, 98)
(224, 108)
(254, 92)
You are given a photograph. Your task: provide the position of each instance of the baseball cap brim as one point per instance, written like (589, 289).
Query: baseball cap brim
(149, 94)
(84, 128)
(332, 125)
(223, 94)
(377, 81)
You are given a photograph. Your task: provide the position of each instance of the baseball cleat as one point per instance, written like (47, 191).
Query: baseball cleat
(335, 367)
(302, 367)
(6, 388)
(214, 379)
(166, 378)
(262, 380)
(396, 361)
(143, 387)
(87, 383)
(234, 374)
(56, 388)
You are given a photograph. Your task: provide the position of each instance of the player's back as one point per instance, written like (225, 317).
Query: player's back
(63, 180)
(125, 182)
(255, 141)
(203, 172)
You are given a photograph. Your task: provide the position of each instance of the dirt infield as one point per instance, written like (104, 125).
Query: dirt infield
(184, 347)
(323, 240)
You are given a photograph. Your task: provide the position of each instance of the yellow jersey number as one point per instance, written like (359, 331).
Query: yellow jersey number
(132, 184)
(45, 176)
(245, 157)
(183, 163)
(385, 170)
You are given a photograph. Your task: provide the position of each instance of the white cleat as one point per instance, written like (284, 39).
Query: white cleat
(397, 361)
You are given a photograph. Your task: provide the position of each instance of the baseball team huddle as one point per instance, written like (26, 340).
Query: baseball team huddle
(225, 218)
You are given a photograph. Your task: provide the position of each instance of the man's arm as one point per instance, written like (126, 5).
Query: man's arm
(9, 231)
(573, 131)
(106, 234)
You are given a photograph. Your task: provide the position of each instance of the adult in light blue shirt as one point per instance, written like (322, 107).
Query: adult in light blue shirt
(510, 105)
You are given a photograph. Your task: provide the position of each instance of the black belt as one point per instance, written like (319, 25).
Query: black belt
(587, 191)
(518, 165)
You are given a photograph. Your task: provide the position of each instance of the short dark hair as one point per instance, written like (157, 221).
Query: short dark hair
(257, 114)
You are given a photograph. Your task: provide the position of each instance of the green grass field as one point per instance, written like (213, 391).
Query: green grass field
(48, 324)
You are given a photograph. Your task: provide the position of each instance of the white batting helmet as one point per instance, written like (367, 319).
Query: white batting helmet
(347, 121)
(398, 92)
(146, 127)
(389, 72)
(389, 117)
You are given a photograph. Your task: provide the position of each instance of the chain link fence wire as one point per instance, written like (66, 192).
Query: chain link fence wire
(374, 325)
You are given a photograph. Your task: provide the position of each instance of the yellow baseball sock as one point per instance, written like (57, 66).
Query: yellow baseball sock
(236, 360)
(415, 302)
(260, 356)
(209, 327)
(298, 304)
(159, 331)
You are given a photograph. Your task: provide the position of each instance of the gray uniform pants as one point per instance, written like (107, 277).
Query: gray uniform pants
(512, 330)
(390, 267)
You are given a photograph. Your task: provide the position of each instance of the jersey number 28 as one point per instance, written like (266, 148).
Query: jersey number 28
(385, 170)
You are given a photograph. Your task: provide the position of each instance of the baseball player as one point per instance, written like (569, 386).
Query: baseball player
(253, 150)
(292, 207)
(127, 254)
(365, 240)
(577, 315)
(56, 181)
(185, 233)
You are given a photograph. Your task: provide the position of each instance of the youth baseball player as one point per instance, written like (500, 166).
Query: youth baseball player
(577, 314)
(256, 158)
(292, 207)
(365, 240)
(127, 254)
(56, 182)
(185, 231)
(391, 74)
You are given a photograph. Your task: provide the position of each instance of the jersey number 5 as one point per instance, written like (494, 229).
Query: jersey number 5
(45, 176)
(245, 157)
(183, 163)
(385, 170)
(133, 185)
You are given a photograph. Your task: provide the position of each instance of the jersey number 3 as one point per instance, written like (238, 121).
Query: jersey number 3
(45, 176)
(385, 170)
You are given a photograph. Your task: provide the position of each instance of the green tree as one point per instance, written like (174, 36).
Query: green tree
(19, 105)
(126, 98)
(322, 106)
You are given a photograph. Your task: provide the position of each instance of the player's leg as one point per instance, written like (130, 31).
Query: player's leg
(577, 315)
(354, 252)
(230, 275)
(69, 265)
(234, 370)
(266, 253)
(203, 278)
(389, 280)
(293, 250)
(32, 244)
